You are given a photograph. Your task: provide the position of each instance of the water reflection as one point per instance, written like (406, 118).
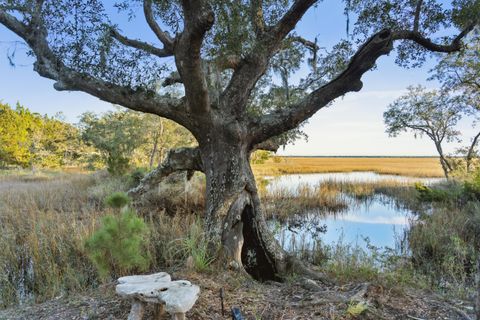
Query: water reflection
(292, 181)
(378, 219)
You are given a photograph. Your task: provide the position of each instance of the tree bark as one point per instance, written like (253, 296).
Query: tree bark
(231, 195)
(158, 136)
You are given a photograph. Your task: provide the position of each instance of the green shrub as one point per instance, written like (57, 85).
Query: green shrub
(118, 246)
(472, 187)
(443, 245)
(428, 194)
(117, 200)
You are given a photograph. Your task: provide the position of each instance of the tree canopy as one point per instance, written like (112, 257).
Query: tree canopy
(460, 71)
(229, 51)
(427, 113)
(28, 139)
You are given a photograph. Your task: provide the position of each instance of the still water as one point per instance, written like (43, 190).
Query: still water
(377, 218)
(292, 181)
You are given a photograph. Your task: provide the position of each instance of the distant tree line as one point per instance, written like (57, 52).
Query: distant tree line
(117, 139)
(29, 139)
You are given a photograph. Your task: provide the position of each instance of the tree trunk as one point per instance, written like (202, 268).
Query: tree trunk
(471, 152)
(232, 196)
(232, 199)
(154, 152)
(447, 168)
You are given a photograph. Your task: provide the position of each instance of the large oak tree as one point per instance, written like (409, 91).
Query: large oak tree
(224, 53)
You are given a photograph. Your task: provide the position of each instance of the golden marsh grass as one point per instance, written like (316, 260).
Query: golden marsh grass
(44, 222)
(415, 167)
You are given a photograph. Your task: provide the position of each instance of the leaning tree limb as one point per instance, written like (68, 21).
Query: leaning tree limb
(48, 65)
(140, 45)
(349, 80)
(182, 159)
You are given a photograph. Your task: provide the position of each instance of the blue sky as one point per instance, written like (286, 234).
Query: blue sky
(353, 125)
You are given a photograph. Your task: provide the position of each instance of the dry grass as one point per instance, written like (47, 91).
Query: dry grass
(283, 202)
(416, 167)
(42, 228)
(44, 222)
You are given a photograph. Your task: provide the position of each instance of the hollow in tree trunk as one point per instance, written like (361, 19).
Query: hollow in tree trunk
(232, 198)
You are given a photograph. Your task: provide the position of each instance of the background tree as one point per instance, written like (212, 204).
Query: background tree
(161, 135)
(14, 136)
(116, 135)
(460, 72)
(29, 140)
(223, 51)
(427, 113)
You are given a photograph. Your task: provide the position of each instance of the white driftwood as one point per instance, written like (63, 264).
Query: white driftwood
(177, 297)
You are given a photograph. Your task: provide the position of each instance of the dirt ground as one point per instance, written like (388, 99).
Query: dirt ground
(297, 299)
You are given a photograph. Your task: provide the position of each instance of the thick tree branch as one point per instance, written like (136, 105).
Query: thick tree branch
(349, 80)
(291, 18)
(163, 36)
(428, 44)
(254, 65)
(416, 19)
(268, 145)
(199, 19)
(140, 45)
(49, 66)
(181, 159)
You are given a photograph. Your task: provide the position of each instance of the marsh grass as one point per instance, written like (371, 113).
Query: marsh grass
(415, 167)
(42, 227)
(333, 196)
(281, 203)
(45, 221)
(437, 251)
(443, 246)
